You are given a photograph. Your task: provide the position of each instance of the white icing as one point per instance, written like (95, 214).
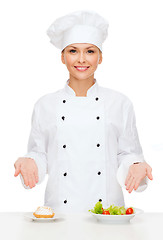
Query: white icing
(44, 211)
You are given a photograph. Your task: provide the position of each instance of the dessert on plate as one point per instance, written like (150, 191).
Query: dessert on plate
(44, 212)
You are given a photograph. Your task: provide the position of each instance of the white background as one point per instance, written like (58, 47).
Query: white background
(31, 67)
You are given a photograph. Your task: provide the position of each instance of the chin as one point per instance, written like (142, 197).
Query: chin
(82, 77)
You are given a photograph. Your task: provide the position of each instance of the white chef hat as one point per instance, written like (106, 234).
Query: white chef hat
(78, 27)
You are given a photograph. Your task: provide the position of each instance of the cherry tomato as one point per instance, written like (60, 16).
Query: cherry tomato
(129, 211)
(105, 212)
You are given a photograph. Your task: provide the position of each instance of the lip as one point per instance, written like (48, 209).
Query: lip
(81, 68)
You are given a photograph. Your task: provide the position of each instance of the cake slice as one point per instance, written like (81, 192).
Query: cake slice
(44, 212)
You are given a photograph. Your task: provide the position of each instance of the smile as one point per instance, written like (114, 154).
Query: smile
(81, 68)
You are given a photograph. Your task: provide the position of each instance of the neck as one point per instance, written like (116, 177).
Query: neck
(81, 86)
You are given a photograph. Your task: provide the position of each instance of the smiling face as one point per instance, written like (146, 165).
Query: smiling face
(81, 60)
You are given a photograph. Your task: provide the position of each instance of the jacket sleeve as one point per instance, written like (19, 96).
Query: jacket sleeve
(129, 148)
(37, 146)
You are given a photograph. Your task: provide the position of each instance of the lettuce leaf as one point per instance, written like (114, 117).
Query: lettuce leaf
(97, 209)
(113, 210)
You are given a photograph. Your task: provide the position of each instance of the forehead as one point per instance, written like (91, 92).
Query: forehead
(81, 46)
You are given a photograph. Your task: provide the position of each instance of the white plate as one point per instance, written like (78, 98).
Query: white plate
(33, 218)
(116, 218)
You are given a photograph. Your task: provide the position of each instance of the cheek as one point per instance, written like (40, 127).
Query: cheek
(66, 60)
(70, 61)
(94, 60)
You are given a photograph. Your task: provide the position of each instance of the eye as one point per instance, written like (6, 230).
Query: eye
(72, 51)
(90, 51)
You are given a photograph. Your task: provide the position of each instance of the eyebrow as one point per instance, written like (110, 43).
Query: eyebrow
(86, 48)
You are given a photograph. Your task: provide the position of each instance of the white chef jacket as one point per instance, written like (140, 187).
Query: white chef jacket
(80, 142)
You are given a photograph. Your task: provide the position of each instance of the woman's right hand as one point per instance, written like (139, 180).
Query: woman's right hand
(28, 169)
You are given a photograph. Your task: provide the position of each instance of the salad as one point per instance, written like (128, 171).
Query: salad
(112, 210)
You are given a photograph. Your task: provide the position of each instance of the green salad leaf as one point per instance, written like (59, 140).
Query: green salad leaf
(113, 210)
(97, 209)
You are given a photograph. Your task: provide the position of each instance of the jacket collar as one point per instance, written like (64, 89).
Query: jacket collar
(92, 91)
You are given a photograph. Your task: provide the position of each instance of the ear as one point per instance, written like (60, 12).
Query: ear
(100, 58)
(62, 57)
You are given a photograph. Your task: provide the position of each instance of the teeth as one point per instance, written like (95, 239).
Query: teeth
(80, 68)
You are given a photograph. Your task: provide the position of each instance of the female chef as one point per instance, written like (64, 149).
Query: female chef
(84, 135)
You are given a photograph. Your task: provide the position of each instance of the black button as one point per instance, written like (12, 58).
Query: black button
(96, 98)
(99, 173)
(64, 101)
(65, 174)
(64, 146)
(98, 118)
(63, 118)
(100, 200)
(98, 145)
(65, 201)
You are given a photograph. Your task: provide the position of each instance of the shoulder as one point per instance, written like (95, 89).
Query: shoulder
(48, 99)
(115, 97)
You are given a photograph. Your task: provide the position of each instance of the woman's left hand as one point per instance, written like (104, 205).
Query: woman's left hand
(137, 172)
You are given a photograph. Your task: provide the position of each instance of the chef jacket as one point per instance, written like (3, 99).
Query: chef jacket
(81, 142)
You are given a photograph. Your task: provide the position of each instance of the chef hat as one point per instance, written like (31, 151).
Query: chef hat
(78, 27)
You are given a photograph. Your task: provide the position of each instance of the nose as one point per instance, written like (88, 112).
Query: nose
(81, 58)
